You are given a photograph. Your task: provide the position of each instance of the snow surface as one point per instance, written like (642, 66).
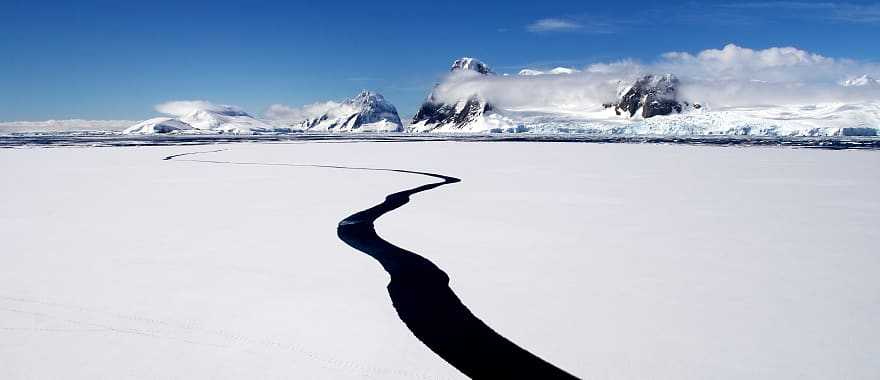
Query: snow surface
(71, 125)
(158, 125)
(611, 261)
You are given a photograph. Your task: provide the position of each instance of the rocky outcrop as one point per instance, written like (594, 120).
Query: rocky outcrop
(652, 94)
(456, 115)
(471, 64)
(435, 114)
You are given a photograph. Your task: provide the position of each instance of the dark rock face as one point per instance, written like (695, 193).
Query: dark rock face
(374, 108)
(473, 64)
(436, 114)
(458, 114)
(653, 94)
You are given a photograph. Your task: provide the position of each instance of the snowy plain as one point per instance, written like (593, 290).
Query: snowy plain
(617, 261)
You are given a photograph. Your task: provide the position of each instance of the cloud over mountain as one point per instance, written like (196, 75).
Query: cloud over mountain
(292, 113)
(187, 107)
(728, 77)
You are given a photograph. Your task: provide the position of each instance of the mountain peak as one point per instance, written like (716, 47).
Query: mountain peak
(367, 97)
(652, 94)
(367, 111)
(471, 64)
(862, 81)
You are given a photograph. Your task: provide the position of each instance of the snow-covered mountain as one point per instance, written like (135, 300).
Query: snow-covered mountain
(366, 112)
(862, 81)
(471, 114)
(471, 64)
(229, 120)
(644, 104)
(530, 72)
(555, 71)
(649, 96)
(158, 125)
(603, 99)
(203, 118)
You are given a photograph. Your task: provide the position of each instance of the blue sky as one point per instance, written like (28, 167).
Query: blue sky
(116, 60)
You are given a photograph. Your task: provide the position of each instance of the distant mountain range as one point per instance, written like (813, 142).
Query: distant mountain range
(651, 103)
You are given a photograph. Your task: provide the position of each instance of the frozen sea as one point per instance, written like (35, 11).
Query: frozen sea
(611, 261)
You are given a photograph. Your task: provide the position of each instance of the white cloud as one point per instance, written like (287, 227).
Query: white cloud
(182, 108)
(728, 77)
(283, 112)
(553, 25)
(735, 60)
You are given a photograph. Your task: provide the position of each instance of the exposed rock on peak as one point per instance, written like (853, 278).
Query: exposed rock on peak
(435, 115)
(471, 64)
(652, 94)
(366, 112)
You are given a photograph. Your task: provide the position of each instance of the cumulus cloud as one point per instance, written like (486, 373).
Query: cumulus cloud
(284, 112)
(775, 63)
(732, 76)
(531, 91)
(553, 25)
(182, 108)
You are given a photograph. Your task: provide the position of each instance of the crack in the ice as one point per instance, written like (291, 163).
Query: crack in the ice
(421, 294)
